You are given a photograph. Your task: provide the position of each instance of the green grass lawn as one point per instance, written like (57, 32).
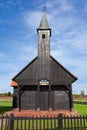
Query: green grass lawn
(81, 109)
(5, 106)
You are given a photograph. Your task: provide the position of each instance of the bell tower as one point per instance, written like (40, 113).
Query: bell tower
(44, 34)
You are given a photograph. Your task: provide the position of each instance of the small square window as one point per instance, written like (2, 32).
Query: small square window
(43, 36)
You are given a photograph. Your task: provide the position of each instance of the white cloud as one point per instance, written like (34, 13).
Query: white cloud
(30, 52)
(78, 86)
(66, 5)
(32, 19)
(60, 6)
(5, 82)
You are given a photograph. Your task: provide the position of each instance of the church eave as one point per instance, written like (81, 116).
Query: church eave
(44, 29)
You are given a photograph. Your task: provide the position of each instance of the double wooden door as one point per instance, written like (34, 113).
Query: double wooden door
(44, 101)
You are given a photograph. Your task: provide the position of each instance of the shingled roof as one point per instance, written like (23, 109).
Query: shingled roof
(44, 22)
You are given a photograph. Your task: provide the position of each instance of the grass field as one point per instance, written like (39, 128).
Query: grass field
(6, 105)
(81, 109)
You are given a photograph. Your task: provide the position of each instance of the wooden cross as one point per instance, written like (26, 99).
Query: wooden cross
(44, 8)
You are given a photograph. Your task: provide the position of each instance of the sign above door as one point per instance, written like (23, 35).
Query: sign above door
(44, 82)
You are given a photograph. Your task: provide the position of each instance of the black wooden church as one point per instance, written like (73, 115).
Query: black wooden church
(43, 84)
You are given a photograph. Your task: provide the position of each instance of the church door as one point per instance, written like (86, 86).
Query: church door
(44, 98)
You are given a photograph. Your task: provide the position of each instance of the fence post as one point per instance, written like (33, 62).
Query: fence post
(1, 124)
(12, 122)
(60, 122)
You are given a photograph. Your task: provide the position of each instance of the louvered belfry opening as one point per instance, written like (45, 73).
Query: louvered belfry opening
(43, 84)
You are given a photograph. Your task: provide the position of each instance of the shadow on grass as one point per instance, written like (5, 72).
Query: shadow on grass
(4, 109)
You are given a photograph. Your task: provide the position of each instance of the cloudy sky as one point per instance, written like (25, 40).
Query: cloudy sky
(19, 20)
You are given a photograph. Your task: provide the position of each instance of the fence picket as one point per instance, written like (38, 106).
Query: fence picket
(60, 121)
(12, 122)
(84, 122)
(42, 123)
(51, 122)
(2, 123)
(29, 124)
(17, 124)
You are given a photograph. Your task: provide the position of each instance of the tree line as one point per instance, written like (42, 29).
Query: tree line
(6, 94)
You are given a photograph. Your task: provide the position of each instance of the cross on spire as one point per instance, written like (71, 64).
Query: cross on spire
(44, 8)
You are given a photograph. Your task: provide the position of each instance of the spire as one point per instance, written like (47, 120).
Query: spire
(44, 22)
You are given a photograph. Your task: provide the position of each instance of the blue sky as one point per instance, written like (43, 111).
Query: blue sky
(19, 20)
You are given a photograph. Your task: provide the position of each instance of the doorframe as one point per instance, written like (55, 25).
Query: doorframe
(49, 97)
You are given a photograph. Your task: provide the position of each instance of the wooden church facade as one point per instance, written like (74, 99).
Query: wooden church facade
(44, 84)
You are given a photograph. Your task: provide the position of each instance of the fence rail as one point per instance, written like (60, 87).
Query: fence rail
(43, 123)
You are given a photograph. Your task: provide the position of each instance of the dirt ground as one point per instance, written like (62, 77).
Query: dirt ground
(80, 98)
(6, 98)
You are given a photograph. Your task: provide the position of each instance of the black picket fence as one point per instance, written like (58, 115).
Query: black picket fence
(43, 123)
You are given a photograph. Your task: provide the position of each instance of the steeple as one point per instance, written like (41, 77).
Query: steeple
(44, 22)
(44, 33)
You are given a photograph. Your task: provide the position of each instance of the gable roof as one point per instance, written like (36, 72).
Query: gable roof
(59, 75)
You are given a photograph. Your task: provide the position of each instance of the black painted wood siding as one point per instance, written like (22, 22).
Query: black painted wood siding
(28, 97)
(15, 97)
(59, 98)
